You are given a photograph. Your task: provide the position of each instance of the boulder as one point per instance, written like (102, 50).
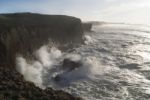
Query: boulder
(67, 65)
(70, 65)
(130, 66)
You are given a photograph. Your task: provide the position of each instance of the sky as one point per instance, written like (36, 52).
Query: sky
(123, 11)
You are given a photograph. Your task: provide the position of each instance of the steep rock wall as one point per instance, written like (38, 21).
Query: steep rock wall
(87, 27)
(25, 32)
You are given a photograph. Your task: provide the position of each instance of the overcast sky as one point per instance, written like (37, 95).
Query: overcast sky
(128, 11)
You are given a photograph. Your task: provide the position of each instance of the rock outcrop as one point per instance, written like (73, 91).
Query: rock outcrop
(70, 65)
(14, 87)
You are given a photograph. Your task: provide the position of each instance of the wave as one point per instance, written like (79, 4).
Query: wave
(49, 67)
(110, 65)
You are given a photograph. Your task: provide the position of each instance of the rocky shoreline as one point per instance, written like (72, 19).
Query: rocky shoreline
(14, 87)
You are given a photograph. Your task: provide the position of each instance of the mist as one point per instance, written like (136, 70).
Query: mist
(47, 66)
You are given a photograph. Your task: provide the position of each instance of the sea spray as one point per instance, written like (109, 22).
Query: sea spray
(88, 39)
(34, 70)
(98, 75)
(48, 66)
(31, 72)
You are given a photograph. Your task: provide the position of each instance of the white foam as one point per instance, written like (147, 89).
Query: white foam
(73, 57)
(48, 62)
(21, 65)
(43, 56)
(88, 39)
(31, 72)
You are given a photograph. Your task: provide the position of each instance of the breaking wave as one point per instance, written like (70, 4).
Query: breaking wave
(111, 65)
(48, 65)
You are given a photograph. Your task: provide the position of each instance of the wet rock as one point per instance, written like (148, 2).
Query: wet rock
(57, 77)
(103, 50)
(16, 88)
(138, 94)
(146, 73)
(67, 65)
(87, 27)
(148, 77)
(70, 65)
(124, 45)
(130, 66)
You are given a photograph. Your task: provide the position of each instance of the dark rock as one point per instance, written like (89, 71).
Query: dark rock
(67, 65)
(103, 50)
(57, 78)
(148, 77)
(124, 45)
(26, 90)
(70, 65)
(87, 27)
(130, 66)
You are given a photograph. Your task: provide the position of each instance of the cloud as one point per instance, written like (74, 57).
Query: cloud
(107, 10)
(130, 12)
(110, 0)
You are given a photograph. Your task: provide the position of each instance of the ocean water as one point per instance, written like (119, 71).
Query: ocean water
(115, 64)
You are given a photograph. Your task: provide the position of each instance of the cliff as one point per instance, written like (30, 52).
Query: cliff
(87, 27)
(25, 32)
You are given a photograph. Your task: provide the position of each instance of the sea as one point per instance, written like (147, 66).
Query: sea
(114, 64)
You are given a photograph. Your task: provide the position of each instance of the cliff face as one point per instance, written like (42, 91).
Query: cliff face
(26, 32)
(87, 27)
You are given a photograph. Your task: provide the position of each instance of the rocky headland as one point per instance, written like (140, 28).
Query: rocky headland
(23, 33)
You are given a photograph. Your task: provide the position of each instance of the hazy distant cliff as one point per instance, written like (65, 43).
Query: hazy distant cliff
(87, 26)
(26, 32)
